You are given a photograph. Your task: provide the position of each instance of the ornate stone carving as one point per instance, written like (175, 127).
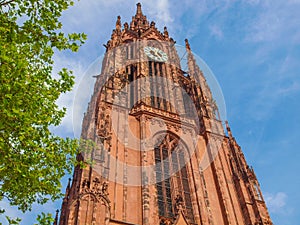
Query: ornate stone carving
(98, 189)
(178, 203)
(166, 221)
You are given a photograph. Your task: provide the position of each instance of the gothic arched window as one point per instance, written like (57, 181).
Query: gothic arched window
(172, 176)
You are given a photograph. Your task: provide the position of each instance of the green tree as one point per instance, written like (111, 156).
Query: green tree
(32, 159)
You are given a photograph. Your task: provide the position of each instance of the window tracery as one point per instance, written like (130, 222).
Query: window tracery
(172, 178)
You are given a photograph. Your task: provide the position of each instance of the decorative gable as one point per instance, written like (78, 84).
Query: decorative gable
(153, 33)
(181, 220)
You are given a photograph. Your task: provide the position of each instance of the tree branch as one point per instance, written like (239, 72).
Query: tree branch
(3, 3)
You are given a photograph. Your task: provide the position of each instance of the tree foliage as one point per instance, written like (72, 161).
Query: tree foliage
(32, 159)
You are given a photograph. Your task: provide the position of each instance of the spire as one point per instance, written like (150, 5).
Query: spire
(192, 65)
(196, 74)
(139, 9)
(56, 218)
(118, 23)
(139, 22)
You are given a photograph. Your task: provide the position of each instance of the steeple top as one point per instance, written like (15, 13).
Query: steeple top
(139, 9)
(139, 27)
(187, 45)
(139, 22)
(118, 23)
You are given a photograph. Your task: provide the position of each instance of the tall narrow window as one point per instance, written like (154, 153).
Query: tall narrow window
(127, 52)
(150, 68)
(130, 70)
(172, 177)
(132, 52)
(187, 101)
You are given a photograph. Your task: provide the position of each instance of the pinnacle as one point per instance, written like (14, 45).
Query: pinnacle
(118, 23)
(187, 45)
(139, 21)
(139, 9)
(228, 129)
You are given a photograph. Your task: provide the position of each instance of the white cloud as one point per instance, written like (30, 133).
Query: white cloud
(99, 15)
(294, 87)
(288, 65)
(276, 203)
(77, 100)
(216, 32)
(275, 21)
(163, 11)
(66, 99)
(268, 97)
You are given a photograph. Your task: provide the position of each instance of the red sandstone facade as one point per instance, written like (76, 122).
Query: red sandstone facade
(160, 154)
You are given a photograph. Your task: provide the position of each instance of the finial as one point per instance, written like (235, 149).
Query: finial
(166, 32)
(152, 24)
(126, 26)
(139, 9)
(118, 23)
(187, 45)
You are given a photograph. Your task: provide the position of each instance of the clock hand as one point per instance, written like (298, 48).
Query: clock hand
(157, 53)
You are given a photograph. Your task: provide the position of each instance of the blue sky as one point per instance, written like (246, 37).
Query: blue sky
(253, 49)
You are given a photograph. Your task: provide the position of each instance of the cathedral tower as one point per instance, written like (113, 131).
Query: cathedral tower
(158, 152)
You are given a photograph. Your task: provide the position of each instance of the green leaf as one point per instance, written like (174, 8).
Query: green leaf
(32, 159)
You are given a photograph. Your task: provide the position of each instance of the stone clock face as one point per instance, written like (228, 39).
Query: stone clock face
(155, 54)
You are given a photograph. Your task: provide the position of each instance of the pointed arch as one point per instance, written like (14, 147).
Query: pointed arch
(97, 209)
(172, 178)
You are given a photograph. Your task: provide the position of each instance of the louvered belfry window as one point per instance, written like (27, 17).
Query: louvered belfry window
(172, 176)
